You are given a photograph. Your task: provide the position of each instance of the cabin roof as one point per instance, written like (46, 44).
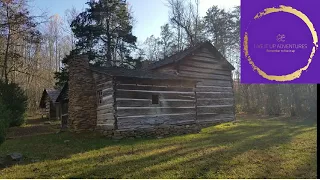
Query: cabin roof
(51, 93)
(63, 95)
(137, 73)
(181, 55)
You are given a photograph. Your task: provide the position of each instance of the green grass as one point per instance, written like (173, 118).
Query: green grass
(252, 148)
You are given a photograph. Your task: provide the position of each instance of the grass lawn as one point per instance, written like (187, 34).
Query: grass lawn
(248, 148)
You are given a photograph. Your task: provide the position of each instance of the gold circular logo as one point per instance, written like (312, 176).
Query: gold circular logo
(297, 73)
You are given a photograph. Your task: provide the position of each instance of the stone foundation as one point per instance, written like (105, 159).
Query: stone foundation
(154, 132)
(161, 131)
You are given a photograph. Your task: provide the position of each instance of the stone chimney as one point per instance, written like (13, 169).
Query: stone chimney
(82, 109)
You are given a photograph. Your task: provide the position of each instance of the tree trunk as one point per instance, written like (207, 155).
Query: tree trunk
(5, 65)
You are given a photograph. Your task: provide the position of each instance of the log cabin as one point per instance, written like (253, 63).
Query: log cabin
(62, 106)
(48, 104)
(180, 94)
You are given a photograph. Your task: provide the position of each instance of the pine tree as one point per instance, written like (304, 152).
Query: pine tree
(104, 31)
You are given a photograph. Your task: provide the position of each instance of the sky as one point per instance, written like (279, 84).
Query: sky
(149, 15)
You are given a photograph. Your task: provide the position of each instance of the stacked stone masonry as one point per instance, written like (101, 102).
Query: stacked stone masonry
(82, 96)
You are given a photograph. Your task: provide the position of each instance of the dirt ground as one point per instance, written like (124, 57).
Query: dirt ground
(34, 126)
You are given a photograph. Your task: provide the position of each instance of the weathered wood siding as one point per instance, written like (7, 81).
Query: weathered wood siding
(215, 98)
(105, 102)
(53, 114)
(64, 114)
(168, 70)
(58, 110)
(134, 108)
(47, 108)
(50, 109)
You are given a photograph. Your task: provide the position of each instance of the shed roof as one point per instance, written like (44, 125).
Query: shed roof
(51, 93)
(63, 93)
(180, 55)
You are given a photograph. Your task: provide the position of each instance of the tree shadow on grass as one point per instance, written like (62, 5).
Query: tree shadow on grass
(209, 154)
(194, 160)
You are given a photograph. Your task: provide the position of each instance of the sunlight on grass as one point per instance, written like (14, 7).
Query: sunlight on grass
(243, 149)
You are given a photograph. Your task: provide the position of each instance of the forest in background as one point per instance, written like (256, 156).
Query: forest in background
(32, 48)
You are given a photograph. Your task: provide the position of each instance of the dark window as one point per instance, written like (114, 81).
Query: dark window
(155, 99)
(100, 95)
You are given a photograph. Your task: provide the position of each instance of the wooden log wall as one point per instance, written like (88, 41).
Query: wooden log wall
(47, 108)
(64, 114)
(53, 113)
(215, 98)
(135, 110)
(105, 102)
(168, 70)
(58, 110)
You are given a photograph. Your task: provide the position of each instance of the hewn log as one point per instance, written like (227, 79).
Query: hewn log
(106, 110)
(108, 121)
(147, 103)
(104, 85)
(156, 120)
(204, 75)
(105, 116)
(153, 111)
(204, 70)
(106, 101)
(199, 64)
(168, 70)
(148, 95)
(154, 88)
(106, 106)
(204, 58)
(107, 92)
(158, 92)
(172, 83)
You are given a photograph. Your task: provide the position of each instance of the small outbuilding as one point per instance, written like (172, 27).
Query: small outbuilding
(62, 105)
(48, 104)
